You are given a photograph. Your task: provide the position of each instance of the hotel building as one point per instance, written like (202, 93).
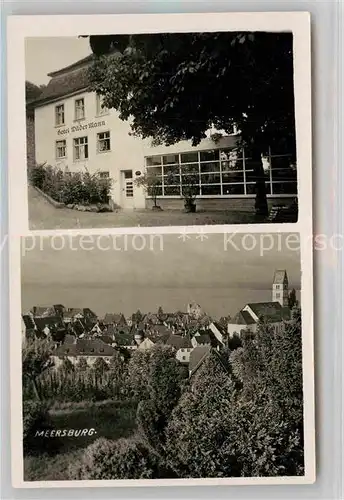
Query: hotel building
(72, 130)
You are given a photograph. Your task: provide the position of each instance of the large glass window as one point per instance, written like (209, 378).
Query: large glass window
(221, 172)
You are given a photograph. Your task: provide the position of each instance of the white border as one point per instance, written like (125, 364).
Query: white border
(20, 27)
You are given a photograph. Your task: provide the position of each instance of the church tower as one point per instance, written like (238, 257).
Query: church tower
(280, 288)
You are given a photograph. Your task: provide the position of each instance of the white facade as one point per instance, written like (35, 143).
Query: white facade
(74, 133)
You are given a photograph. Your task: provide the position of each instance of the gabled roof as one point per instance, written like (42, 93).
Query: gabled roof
(114, 318)
(270, 311)
(243, 318)
(200, 354)
(28, 321)
(106, 339)
(280, 277)
(124, 339)
(178, 341)
(41, 311)
(85, 347)
(197, 356)
(67, 81)
(49, 321)
(203, 338)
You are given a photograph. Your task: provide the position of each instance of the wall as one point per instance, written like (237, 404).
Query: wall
(213, 204)
(30, 140)
(233, 328)
(126, 151)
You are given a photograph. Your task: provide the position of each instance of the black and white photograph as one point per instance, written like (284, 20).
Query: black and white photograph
(160, 236)
(162, 358)
(161, 129)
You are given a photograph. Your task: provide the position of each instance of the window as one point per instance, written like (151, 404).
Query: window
(59, 115)
(79, 109)
(103, 142)
(278, 295)
(221, 172)
(104, 175)
(61, 149)
(101, 109)
(80, 148)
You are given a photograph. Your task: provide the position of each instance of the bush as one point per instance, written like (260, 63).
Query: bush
(71, 187)
(121, 459)
(36, 418)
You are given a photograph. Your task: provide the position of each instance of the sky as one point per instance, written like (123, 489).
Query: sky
(168, 272)
(44, 55)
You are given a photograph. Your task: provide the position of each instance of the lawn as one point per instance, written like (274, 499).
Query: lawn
(42, 215)
(110, 420)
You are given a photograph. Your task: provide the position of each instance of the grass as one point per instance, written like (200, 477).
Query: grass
(111, 420)
(42, 215)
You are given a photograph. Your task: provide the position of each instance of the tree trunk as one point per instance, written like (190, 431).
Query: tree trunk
(261, 204)
(35, 389)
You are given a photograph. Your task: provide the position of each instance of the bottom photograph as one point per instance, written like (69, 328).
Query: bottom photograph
(161, 357)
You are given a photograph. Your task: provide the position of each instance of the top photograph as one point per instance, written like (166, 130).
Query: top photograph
(167, 129)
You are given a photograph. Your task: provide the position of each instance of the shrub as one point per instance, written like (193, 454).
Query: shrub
(71, 187)
(36, 418)
(121, 459)
(37, 175)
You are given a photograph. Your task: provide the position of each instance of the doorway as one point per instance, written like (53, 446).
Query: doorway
(127, 186)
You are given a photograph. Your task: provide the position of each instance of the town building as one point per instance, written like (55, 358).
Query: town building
(88, 349)
(74, 131)
(274, 312)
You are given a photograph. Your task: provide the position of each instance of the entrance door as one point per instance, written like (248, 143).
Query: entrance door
(127, 189)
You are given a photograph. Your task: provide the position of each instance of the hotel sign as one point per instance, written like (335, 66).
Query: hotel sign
(79, 128)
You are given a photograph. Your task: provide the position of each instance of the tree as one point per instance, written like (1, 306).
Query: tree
(100, 366)
(160, 313)
(152, 185)
(121, 459)
(66, 366)
(202, 432)
(292, 299)
(82, 365)
(177, 86)
(32, 91)
(246, 422)
(36, 359)
(137, 317)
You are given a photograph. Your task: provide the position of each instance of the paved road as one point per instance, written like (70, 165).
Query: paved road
(43, 215)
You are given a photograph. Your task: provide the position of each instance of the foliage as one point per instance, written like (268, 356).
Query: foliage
(81, 365)
(36, 359)
(71, 187)
(32, 91)
(66, 366)
(190, 183)
(137, 317)
(151, 183)
(292, 301)
(175, 87)
(202, 431)
(121, 459)
(248, 422)
(100, 366)
(77, 385)
(35, 418)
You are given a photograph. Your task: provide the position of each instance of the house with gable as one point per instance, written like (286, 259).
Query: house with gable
(274, 312)
(88, 349)
(181, 345)
(200, 354)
